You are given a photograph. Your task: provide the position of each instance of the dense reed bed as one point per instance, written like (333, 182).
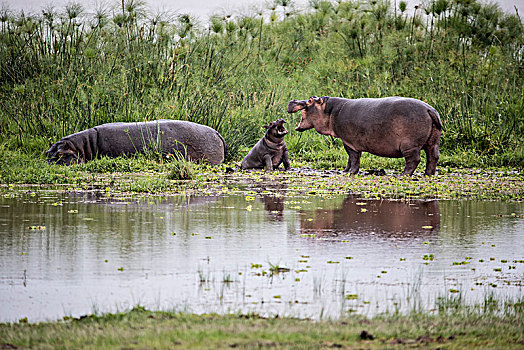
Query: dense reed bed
(64, 70)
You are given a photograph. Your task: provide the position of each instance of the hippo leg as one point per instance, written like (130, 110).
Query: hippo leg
(353, 160)
(431, 149)
(432, 156)
(412, 157)
(285, 160)
(269, 162)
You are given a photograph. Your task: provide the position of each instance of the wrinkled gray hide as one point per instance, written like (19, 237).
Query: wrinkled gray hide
(270, 151)
(392, 127)
(115, 139)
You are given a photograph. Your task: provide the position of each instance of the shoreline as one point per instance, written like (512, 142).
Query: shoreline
(455, 325)
(449, 183)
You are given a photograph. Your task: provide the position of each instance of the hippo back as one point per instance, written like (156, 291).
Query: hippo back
(167, 136)
(381, 125)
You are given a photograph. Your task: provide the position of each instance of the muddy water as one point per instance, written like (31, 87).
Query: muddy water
(70, 254)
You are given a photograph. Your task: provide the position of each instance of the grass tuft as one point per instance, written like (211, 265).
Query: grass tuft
(181, 168)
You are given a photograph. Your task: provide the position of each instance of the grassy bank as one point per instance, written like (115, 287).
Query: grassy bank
(64, 70)
(120, 177)
(450, 325)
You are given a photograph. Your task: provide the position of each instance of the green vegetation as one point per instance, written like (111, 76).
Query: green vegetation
(181, 168)
(141, 175)
(64, 70)
(454, 325)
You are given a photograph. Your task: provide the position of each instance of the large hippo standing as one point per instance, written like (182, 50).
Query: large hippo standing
(196, 141)
(392, 127)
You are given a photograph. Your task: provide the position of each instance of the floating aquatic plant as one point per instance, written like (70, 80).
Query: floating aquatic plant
(276, 269)
(36, 227)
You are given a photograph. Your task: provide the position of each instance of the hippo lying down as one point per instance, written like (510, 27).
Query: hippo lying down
(196, 141)
(392, 127)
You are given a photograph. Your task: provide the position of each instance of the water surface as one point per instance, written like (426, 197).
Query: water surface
(71, 254)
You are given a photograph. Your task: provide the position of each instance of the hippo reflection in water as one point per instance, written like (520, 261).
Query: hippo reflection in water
(274, 201)
(390, 218)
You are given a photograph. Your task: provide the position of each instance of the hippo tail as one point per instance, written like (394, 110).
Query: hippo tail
(436, 118)
(225, 145)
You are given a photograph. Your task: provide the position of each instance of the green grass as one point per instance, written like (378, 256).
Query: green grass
(505, 184)
(493, 324)
(65, 70)
(142, 175)
(181, 168)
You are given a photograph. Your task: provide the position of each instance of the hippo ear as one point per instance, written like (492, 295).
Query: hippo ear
(312, 100)
(269, 126)
(66, 147)
(319, 100)
(323, 100)
(62, 147)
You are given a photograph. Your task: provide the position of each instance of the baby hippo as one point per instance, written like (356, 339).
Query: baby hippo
(270, 151)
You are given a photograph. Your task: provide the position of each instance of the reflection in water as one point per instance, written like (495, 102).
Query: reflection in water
(274, 202)
(90, 252)
(272, 194)
(274, 206)
(388, 218)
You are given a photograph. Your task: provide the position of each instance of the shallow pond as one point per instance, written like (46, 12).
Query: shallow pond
(71, 254)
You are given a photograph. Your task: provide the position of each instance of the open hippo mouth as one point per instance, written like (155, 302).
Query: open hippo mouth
(295, 106)
(280, 129)
(301, 126)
